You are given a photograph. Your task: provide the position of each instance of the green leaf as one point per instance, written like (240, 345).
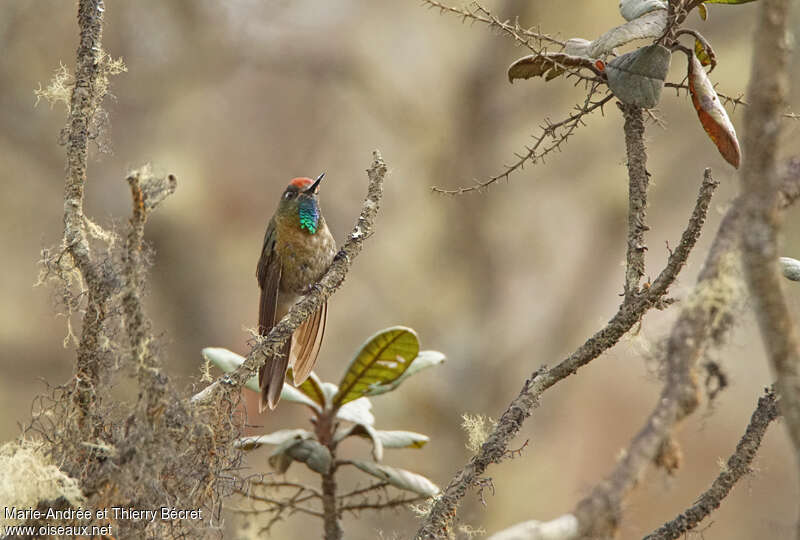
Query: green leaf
(280, 459)
(399, 478)
(228, 361)
(372, 434)
(316, 456)
(637, 77)
(424, 360)
(648, 26)
(312, 387)
(388, 439)
(382, 359)
(357, 411)
(551, 64)
(402, 439)
(633, 9)
(276, 438)
(702, 10)
(790, 268)
(703, 54)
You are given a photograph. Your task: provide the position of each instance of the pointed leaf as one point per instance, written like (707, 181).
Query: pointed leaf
(388, 439)
(712, 114)
(705, 56)
(279, 459)
(329, 390)
(536, 65)
(312, 387)
(402, 439)
(372, 434)
(357, 411)
(316, 456)
(637, 78)
(648, 26)
(399, 478)
(790, 268)
(277, 437)
(290, 393)
(632, 9)
(228, 361)
(424, 360)
(382, 359)
(702, 10)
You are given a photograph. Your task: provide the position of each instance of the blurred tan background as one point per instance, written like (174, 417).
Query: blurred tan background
(236, 98)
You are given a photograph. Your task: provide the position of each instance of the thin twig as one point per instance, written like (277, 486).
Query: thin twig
(532, 152)
(738, 465)
(638, 180)
(438, 521)
(475, 12)
(728, 99)
(147, 192)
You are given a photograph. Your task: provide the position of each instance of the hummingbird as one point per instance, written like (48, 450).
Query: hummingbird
(298, 248)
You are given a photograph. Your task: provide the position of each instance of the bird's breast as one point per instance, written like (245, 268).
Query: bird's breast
(304, 257)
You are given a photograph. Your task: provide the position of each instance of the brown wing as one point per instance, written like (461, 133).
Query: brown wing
(268, 272)
(308, 342)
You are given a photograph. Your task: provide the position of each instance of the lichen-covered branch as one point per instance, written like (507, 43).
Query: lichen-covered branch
(738, 465)
(638, 180)
(327, 285)
(83, 104)
(438, 521)
(760, 205)
(147, 192)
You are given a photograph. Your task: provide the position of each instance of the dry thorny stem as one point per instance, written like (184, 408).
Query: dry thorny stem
(439, 520)
(475, 12)
(557, 133)
(737, 466)
(700, 322)
(278, 499)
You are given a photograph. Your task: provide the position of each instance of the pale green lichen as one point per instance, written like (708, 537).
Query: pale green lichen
(29, 477)
(478, 428)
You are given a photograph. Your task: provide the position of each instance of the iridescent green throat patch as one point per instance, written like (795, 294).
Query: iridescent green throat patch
(309, 215)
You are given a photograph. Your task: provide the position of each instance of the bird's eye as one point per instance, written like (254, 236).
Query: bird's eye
(288, 195)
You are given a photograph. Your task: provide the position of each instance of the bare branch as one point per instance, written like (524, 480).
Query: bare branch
(638, 180)
(729, 100)
(147, 192)
(769, 84)
(475, 12)
(737, 466)
(439, 519)
(533, 153)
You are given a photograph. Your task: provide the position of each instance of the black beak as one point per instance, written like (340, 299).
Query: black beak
(313, 187)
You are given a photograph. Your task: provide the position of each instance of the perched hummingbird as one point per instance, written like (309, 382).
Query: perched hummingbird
(298, 248)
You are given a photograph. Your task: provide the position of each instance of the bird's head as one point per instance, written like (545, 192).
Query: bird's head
(300, 201)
